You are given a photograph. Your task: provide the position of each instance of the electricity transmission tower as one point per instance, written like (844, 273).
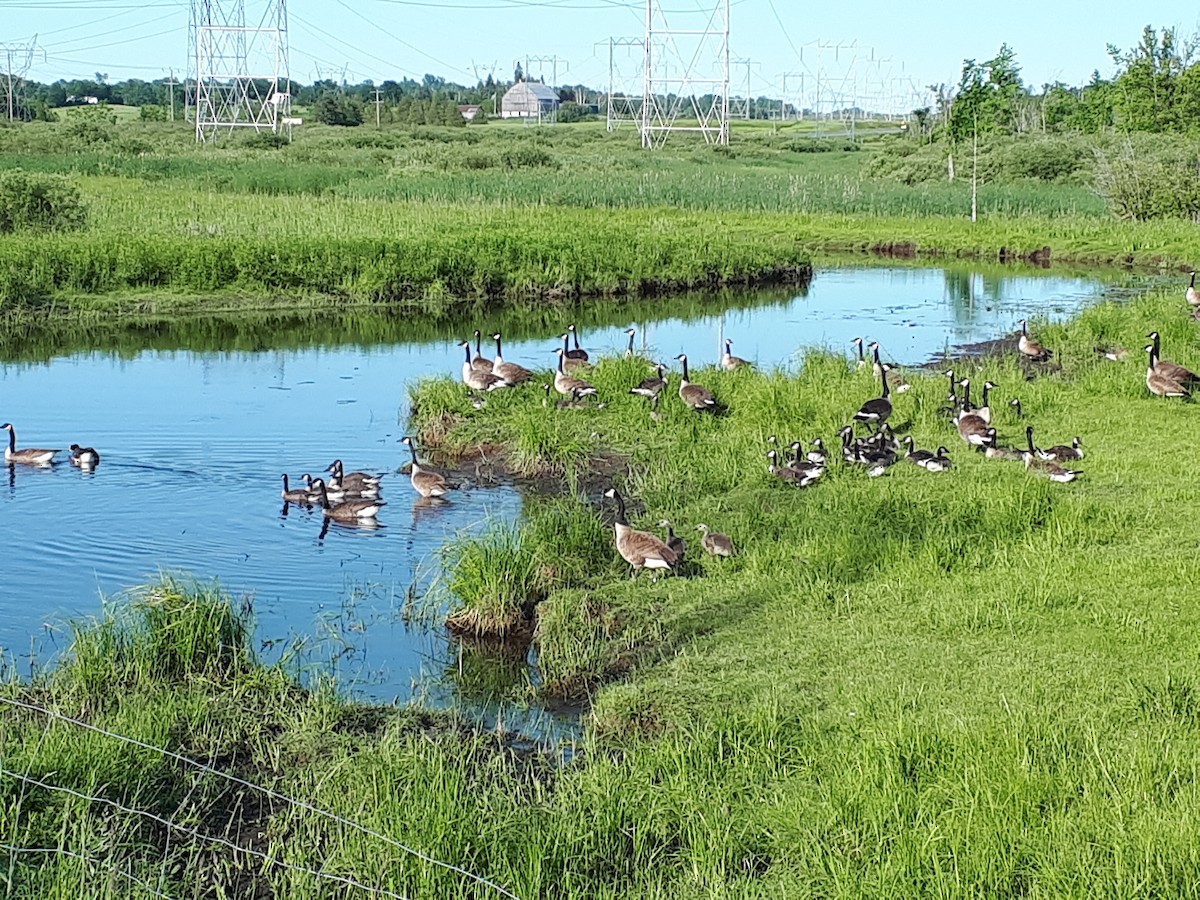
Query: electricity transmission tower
(623, 103)
(552, 61)
(17, 59)
(239, 66)
(686, 70)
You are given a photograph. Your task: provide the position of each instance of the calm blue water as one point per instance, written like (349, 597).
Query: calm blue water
(193, 445)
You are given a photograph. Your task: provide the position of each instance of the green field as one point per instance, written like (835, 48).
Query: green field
(977, 683)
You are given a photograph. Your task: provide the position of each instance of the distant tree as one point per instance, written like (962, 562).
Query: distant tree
(338, 109)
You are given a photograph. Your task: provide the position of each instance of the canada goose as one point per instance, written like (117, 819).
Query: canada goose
(992, 450)
(877, 411)
(1115, 354)
(1036, 463)
(569, 385)
(652, 386)
(952, 397)
(640, 549)
(1015, 403)
(351, 481)
(729, 362)
(715, 543)
(476, 378)
(817, 454)
(29, 456)
(862, 359)
(984, 410)
(426, 483)
(578, 352)
(697, 397)
(1170, 368)
(798, 472)
(570, 363)
(510, 372)
(921, 458)
(572, 403)
(1064, 452)
(297, 495)
(84, 457)
(674, 541)
(899, 383)
(964, 402)
(1031, 348)
(336, 492)
(1160, 384)
(348, 510)
(479, 362)
(1192, 294)
(629, 352)
(973, 429)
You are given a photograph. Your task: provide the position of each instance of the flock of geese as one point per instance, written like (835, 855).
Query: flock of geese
(85, 458)
(798, 465)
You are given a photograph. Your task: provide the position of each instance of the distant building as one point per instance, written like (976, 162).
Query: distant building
(469, 111)
(528, 100)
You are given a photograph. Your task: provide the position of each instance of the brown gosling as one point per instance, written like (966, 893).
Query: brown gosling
(715, 543)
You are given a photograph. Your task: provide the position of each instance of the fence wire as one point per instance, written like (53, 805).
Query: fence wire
(234, 779)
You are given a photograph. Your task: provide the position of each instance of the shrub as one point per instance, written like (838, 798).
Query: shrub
(1151, 182)
(32, 202)
(338, 109)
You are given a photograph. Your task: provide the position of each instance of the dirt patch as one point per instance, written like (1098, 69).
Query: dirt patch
(491, 465)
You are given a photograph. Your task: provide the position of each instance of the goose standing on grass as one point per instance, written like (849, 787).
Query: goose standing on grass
(715, 543)
(570, 363)
(347, 510)
(1030, 348)
(1192, 294)
(1170, 368)
(578, 352)
(476, 378)
(652, 386)
(984, 410)
(674, 541)
(28, 456)
(509, 371)
(479, 362)
(729, 362)
(641, 549)
(424, 481)
(861, 362)
(973, 429)
(876, 412)
(1161, 385)
(296, 495)
(84, 457)
(569, 385)
(629, 353)
(697, 397)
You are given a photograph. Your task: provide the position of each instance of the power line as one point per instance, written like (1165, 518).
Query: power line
(404, 43)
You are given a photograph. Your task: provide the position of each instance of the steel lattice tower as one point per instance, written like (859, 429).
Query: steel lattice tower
(686, 71)
(239, 70)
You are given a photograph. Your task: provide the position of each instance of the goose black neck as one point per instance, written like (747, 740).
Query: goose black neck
(1029, 438)
(875, 354)
(467, 348)
(324, 497)
(1193, 281)
(478, 341)
(882, 375)
(575, 334)
(566, 342)
(631, 345)
(413, 452)
(561, 357)
(285, 481)
(620, 518)
(12, 438)
(498, 346)
(685, 369)
(861, 358)
(985, 394)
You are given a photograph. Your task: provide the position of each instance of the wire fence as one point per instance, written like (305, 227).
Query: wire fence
(233, 847)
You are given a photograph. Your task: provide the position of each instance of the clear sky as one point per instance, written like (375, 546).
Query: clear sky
(897, 46)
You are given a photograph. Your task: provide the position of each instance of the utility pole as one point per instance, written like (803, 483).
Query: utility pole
(18, 59)
(542, 60)
(378, 100)
(171, 82)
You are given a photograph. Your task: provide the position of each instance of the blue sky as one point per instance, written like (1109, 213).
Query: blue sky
(896, 47)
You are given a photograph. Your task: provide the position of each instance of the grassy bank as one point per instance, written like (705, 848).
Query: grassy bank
(977, 683)
(497, 215)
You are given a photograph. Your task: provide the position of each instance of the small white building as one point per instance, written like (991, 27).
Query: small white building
(528, 100)
(470, 111)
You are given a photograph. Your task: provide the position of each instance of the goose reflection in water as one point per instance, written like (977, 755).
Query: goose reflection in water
(356, 525)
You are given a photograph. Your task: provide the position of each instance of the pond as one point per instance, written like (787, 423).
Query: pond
(194, 430)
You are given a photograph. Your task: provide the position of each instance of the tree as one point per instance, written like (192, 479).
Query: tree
(338, 109)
